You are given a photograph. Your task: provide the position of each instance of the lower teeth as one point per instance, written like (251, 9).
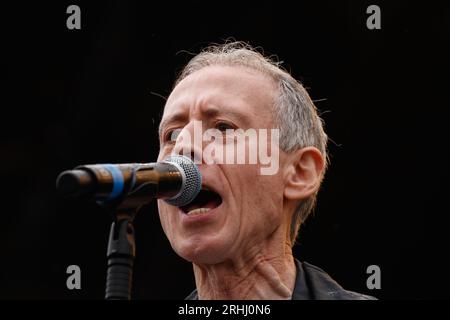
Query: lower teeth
(198, 211)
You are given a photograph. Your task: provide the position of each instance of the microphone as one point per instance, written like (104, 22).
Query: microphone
(176, 180)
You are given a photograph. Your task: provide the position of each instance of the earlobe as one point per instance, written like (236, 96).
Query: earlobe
(304, 173)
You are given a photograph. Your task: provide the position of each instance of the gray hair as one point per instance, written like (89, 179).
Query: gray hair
(295, 114)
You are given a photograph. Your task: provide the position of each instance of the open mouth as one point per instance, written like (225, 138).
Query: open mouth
(205, 201)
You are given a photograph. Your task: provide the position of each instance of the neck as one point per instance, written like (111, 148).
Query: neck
(259, 276)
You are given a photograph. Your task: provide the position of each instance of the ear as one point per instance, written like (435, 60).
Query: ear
(304, 173)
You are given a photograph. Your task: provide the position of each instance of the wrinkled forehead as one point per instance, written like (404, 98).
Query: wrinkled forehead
(237, 89)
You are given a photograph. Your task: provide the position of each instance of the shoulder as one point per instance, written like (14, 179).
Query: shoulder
(192, 296)
(323, 287)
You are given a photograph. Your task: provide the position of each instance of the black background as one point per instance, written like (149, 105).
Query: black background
(72, 97)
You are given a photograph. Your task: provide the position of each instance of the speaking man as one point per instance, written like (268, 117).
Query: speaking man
(239, 231)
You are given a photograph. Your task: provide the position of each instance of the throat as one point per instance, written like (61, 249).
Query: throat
(262, 281)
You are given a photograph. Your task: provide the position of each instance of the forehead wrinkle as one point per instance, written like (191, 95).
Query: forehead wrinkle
(209, 104)
(203, 112)
(204, 108)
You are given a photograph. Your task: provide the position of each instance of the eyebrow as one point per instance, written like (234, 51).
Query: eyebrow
(208, 113)
(178, 117)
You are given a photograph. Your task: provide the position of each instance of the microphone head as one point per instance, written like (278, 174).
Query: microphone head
(192, 180)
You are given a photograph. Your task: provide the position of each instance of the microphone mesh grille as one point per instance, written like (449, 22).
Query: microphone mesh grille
(192, 184)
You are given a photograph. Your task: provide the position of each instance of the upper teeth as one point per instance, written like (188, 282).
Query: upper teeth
(198, 211)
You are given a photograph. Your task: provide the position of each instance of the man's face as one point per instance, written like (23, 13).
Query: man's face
(242, 208)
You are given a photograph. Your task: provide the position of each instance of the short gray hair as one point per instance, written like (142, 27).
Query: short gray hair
(295, 114)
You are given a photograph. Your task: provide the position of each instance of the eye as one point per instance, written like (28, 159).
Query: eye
(223, 126)
(172, 135)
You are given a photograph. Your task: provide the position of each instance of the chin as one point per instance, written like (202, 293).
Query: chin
(202, 251)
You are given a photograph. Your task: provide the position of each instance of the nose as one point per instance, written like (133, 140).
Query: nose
(190, 155)
(189, 142)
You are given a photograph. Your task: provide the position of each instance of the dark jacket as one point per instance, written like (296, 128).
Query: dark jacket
(312, 283)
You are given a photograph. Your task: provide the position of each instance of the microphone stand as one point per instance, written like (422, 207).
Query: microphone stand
(120, 255)
(121, 244)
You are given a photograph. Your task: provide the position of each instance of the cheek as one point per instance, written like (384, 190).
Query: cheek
(164, 217)
(261, 198)
(261, 188)
(266, 199)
